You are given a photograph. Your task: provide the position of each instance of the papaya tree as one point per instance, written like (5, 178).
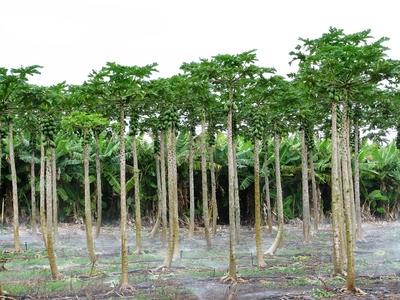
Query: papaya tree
(134, 128)
(336, 65)
(82, 124)
(89, 94)
(253, 111)
(228, 75)
(32, 97)
(12, 82)
(156, 90)
(117, 86)
(205, 105)
(170, 92)
(280, 113)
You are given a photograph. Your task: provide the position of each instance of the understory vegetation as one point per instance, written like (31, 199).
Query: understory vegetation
(379, 178)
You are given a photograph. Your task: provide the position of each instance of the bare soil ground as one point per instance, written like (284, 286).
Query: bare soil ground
(297, 271)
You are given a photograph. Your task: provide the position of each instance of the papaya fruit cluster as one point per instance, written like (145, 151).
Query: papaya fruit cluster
(169, 119)
(257, 128)
(49, 130)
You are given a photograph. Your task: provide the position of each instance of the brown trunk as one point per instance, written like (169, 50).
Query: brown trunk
(33, 193)
(213, 192)
(123, 222)
(204, 183)
(231, 176)
(49, 221)
(138, 219)
(98, 187)
(279, 197)
(17, 244)
(88, 210)
(257, 206)
(191, 186)
(304, 183)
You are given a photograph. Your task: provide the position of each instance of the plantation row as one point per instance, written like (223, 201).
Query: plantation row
(204, 146)
(379, 173)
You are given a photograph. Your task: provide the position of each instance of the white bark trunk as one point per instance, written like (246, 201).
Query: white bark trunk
(17, 244)
(279, 197)
(191, 186)
(304, 183)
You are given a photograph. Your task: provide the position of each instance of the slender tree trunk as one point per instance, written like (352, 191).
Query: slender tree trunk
(305, 195)
(191, 186)
(232, 224)
(257, 206)
(1, 161)
(172, 199)
(357, 181)
(33, 194)
(49, 221)
(314, 193)
(88, 211)
(279, 197)
(320, 206)
(213, 192)
(341, 222)
(175, 195)
(42, 192)
(237, 200)
(158, 177)
(138, 219)
(335, 186)
(2, 211)
(267, 192)
(17, 244)
(350, 174)
(98, 187)
(204, 189)
(156, 226)
(163, 189)
(350, 282)
(124, 232)
(54, 191)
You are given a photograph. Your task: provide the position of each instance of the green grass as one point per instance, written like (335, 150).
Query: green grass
(302, 281)
(296, 268)
(321, 294)
(43, 287)
(22, 275)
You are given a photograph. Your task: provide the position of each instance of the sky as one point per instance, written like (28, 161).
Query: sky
(69, 38)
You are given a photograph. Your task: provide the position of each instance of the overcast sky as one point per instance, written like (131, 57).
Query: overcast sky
(69, 38)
